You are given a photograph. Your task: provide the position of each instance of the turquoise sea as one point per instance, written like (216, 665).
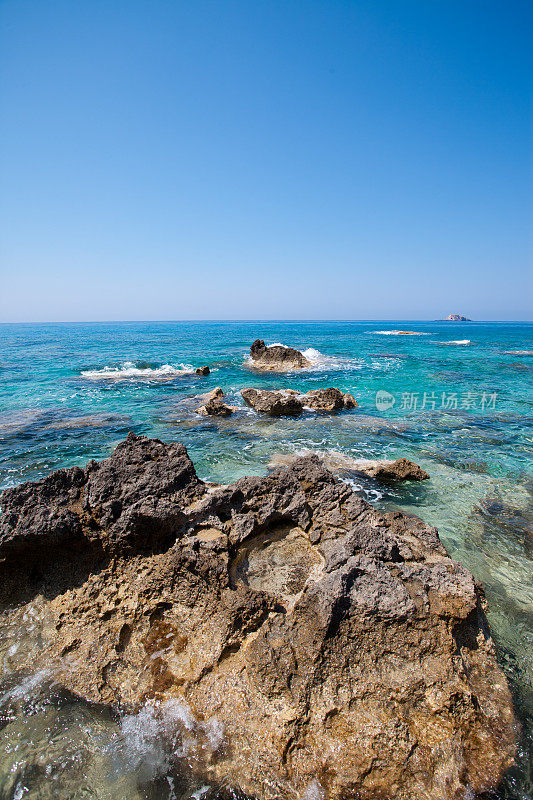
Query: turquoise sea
(457, 398)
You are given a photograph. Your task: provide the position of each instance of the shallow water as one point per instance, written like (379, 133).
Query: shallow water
(452, 398)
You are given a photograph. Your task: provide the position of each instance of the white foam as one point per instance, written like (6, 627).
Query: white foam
(128, 370)
(458, 341)
(320, 361)
(400, 333)
(150, 741)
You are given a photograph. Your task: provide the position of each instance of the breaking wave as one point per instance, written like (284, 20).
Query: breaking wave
(400, 333)
(458, 341)
(130, 370)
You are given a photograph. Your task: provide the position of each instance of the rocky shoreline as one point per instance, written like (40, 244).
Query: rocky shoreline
(329, 641)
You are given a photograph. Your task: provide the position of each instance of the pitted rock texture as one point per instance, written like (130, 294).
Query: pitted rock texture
(333, 642)
(287, 402)
(276, 358)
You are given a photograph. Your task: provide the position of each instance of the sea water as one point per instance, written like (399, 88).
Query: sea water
(457, 398)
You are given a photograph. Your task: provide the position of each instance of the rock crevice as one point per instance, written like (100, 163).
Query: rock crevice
(331, 641)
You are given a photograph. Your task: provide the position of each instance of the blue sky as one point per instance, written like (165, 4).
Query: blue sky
(259, 159)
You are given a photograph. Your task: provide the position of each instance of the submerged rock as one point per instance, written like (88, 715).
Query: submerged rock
(282, 402)
(277, 358)
(323, 641)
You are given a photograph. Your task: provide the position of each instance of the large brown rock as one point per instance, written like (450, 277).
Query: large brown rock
(280, 402)
(276, 358)
(322, 640)
(274, 403)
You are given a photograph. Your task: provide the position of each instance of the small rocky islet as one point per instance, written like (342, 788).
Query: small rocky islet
(332, 644)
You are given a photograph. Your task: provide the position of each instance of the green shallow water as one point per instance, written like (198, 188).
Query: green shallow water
(462, 410)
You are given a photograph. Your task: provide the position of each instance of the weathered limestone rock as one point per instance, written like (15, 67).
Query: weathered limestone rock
(281, 402)
(215, 408)
(276, 357)
(328, 399)
(332, 642)
(400, 470)
(215, 393)
(274, 403)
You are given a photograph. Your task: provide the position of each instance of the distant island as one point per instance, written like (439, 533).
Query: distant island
(456, 318)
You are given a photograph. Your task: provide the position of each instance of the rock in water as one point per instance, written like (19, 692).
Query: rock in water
(276, 357)
(400, 470)
(215, 408)
(328, 399)
(456, 318)
(274, 403)
(203, 371)
(280, 402)
(325, 641)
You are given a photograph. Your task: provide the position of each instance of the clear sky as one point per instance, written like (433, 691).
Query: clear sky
(182, 159)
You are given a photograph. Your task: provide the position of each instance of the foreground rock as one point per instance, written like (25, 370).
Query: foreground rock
(319, 639)
(287, 402)
(276, 357)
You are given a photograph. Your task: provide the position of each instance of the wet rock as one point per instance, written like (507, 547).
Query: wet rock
(215, 408)
(328, 399)
(203, 371)
(277, 358)
(282, 402)
(215, 393)
(400, 470)
(274, 403)
(327, 643)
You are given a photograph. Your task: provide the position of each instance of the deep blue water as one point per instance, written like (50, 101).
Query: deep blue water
(452, 398)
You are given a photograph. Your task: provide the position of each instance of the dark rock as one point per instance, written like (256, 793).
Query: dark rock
(334, 644)
(203, 371)
(276, 357)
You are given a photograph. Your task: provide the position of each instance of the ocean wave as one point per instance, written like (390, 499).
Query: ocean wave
(128, 370)
(457, 341)
(400, 333)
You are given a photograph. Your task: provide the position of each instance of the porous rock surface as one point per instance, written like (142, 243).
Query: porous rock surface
(280, 402)
(277, 358)
(334, 643)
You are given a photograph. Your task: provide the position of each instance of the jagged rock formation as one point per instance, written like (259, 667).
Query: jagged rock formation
(280, 402)
(333, 642)
(276, 358)
(456, 318)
